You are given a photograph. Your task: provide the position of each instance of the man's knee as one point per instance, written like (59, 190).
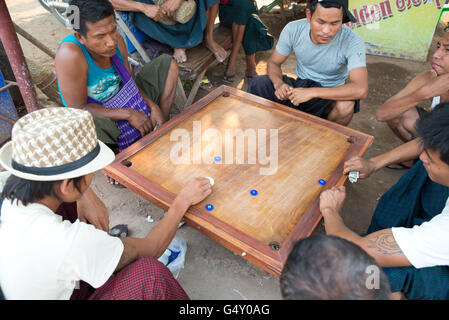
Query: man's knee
(424, 284)
(259, 85)
(344, 108)
(150, 270)
(173, 71)
(151, 267)
(403, 121)
(395, 123)
(409, 124)
(160, 284)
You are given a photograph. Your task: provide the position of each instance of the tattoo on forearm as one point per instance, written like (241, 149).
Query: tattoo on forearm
(129, 254)
(385, 243)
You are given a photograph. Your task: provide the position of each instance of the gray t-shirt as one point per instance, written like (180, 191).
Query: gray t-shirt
(330, 63)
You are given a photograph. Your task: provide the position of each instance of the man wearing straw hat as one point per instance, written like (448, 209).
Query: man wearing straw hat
(45, 251)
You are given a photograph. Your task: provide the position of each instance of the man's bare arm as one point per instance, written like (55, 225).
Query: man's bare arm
(151, 11)
(405, 152)
(356, 88)
(72, 70)
(124, 52)
(91, 209)
(405, 99)
(129, 254)
(282, 90)
(274, 68)
(381, 245)
(158, 239)
(156, 114)
(128, 5)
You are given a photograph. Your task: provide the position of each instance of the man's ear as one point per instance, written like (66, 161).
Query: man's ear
(66, 187)
(79, 37)
(308, 15)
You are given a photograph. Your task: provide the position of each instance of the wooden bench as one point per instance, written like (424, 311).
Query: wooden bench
(199, 60)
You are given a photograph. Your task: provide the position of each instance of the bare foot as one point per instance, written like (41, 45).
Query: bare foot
(218, 51)
(230, 70)
(113, 182)
(180, 55)
(110, 180)
(251, 73)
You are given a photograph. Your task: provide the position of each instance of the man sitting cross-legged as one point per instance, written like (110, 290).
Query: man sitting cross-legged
(331, 68)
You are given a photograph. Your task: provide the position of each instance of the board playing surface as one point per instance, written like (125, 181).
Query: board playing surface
(266, 161)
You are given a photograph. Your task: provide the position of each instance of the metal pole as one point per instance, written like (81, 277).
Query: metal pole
(34, 41)
(16, 58)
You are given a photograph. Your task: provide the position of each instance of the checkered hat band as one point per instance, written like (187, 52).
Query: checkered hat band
(53, 137)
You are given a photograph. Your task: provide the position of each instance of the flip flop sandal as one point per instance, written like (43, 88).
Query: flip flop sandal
(120, 230)
(229, 78)
(249, 77)
(117, 185)
(401, 166)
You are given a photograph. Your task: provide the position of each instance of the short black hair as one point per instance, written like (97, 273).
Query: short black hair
(324, 267)
(91, 11)
(433, 130)
(312, 5)
(28, 191)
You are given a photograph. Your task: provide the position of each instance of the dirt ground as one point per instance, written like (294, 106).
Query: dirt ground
(211, 271)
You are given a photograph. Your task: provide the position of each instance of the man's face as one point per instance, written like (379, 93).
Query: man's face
(437, 169)
(101, 37)
(324, 23)
(440, 62)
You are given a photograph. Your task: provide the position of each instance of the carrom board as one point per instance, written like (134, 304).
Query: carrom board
(266, 160)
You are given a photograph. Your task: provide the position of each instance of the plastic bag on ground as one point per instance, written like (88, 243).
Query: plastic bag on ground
(174, 256)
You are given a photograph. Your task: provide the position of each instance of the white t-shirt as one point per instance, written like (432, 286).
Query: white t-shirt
(43, 257)
(426, 245)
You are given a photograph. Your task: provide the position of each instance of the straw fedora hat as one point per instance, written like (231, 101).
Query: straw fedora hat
(182, 15)
(54, 144)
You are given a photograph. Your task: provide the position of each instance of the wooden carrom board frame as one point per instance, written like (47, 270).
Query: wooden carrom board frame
(268, 257)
